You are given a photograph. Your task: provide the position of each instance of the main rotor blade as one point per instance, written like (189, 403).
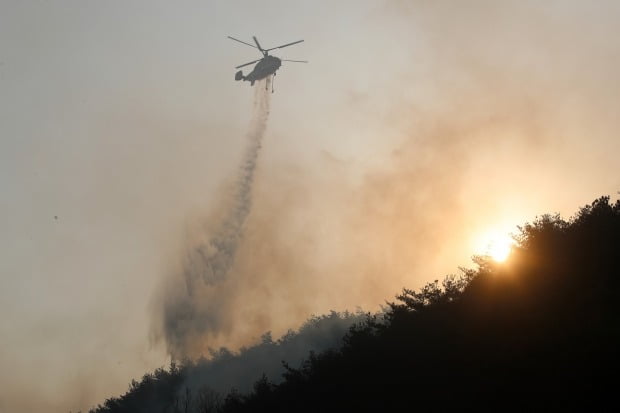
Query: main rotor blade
(258, 44)
(246, 64)
(241, 41)
(297, 61)
(284, 45)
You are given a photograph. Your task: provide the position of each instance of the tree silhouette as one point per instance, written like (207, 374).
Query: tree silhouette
(202, 385)
(540, 331)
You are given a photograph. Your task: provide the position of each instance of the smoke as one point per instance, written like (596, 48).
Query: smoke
(226, 370)
(417, 124)
(483, 138)
(211, 252)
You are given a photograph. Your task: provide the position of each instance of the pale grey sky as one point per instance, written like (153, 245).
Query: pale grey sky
(416, 127)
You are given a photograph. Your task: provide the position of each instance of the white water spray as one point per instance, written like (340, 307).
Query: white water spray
(211, 260)
(194, 312)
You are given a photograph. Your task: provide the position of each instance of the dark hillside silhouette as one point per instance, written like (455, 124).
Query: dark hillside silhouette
(538, 332)
(196, 385)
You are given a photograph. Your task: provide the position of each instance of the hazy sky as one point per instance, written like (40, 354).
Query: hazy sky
(416, 128)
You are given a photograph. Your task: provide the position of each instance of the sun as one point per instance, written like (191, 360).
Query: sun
(495, 244)
(499, 249)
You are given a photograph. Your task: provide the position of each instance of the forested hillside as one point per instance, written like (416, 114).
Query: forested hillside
(539, 331)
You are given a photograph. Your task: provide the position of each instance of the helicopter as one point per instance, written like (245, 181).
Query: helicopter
(266, 66)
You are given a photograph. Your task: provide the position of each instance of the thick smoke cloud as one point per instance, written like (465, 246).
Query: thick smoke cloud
(226, 370)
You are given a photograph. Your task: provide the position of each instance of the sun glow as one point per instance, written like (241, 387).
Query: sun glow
(495, 244)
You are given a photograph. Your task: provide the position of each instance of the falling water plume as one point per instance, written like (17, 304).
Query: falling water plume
(193, 313)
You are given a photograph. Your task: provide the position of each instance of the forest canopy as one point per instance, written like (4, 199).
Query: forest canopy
(540, 330)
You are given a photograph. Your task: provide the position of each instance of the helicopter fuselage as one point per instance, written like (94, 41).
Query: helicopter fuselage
(267, 66)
